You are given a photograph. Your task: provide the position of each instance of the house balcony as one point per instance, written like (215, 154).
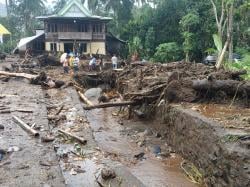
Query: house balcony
(75, 36)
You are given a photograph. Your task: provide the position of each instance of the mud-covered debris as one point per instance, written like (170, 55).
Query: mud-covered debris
(13, 149)
(108, 173)
(45, 163)
(157, 150)
(47, 138)
(73, 172)
(140, 156)
(23, 166)
(2, 153)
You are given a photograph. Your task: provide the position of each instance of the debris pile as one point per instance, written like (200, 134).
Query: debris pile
(180, 82)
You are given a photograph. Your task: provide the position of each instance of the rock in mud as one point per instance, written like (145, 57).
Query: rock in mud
(93, 93)
(108, 173)
(156, 150)
(47, 139)
(14, 149)
(1, 127)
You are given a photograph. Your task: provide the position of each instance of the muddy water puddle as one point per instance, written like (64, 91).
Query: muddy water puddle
(150, 170)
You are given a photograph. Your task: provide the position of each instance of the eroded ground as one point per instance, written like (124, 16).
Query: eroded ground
(137, 154)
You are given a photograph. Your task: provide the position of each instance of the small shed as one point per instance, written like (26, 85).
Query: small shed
(3, 31)
(36, 43)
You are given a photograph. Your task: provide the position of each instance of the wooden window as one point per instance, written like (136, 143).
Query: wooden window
(52, 27)
(53, 47)
(97, 28)
(83, 28)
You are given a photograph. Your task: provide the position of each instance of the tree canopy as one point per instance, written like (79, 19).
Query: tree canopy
(152, 26)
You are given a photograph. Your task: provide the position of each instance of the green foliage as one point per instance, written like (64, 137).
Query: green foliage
(7, 47)
(135, 46)
(217, 42)
(244, 64)
(150, 42)
(167, 52)
(211, 51)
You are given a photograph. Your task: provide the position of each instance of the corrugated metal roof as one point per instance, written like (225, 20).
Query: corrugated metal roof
(27, 40)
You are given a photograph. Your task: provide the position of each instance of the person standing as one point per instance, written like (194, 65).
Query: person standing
(66, 64)
(92, 63)
(114, 60)
(76, 64)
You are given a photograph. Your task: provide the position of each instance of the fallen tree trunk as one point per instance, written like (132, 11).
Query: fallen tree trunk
(81, 140)
(25, 126)
(85, 99)
(23, 75)
(230, 87)
(108, 105)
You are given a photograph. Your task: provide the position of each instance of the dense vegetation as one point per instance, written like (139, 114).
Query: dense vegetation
(157, 30)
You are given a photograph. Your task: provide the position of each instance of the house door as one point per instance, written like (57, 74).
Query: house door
(68, 47)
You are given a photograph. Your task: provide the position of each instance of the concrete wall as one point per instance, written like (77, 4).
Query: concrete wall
(92, 47)
(199, 140)
(98, 46)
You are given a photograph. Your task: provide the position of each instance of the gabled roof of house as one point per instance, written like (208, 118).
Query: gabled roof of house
(74, 9)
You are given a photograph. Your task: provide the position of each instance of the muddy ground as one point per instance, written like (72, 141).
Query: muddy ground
(137, 154)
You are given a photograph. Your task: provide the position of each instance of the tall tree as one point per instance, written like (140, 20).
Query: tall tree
(27, 11)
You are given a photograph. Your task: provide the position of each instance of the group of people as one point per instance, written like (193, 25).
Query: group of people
(94, 62)
(70, 60)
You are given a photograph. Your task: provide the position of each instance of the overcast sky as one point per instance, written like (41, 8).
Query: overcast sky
(3, 1)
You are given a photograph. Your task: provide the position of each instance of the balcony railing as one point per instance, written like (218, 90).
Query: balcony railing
(76, 36)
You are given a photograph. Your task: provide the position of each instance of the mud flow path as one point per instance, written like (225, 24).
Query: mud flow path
(112, 144)
(133, 151)
(25, 160)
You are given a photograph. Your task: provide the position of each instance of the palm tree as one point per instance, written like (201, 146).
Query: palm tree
(28, 11)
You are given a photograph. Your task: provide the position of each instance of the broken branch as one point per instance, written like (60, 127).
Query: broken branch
(23, 75)
(107, 105)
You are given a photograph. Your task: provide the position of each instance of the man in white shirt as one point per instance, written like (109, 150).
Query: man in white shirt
(114, 60)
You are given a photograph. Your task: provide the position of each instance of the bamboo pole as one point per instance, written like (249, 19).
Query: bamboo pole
(85, 99)
(81, 140)
(25, 126)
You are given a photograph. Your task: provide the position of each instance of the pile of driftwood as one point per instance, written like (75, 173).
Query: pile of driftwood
(181, 82)
(152, 84)
(40, 79)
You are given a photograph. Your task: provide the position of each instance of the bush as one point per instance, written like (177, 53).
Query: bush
(7, 47)
(244, 64)
(167, 52)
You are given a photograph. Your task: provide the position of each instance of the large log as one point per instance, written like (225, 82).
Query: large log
(81, 140)
(108, 105)
(85, 99)
(23, 75)
(230, 87)
(25, 126)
